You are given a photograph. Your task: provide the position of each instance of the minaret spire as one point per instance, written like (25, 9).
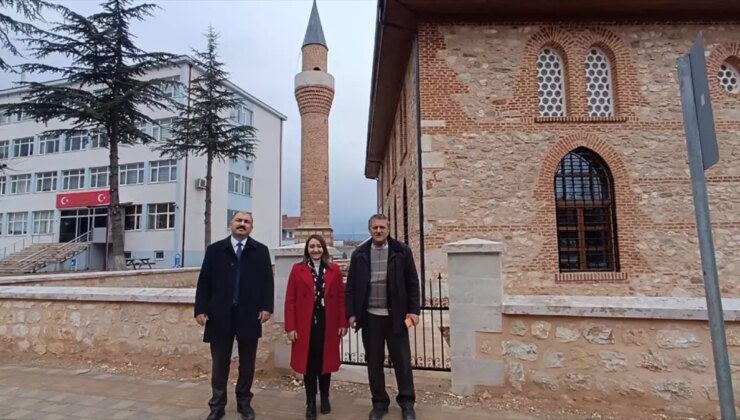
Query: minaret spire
(314, 92)
(314, 31)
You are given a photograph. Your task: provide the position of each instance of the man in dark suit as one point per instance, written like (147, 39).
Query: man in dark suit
(383, 300)
(234, 297)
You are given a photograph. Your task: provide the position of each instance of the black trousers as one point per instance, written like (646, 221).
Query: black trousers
(220, 366)
(316, 358)
(377, 331)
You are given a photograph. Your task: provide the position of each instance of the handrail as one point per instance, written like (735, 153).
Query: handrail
(14, 245)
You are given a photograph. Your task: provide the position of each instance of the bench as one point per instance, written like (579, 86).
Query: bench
(137, 263)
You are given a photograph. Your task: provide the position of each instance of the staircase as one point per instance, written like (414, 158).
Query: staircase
(37, 256)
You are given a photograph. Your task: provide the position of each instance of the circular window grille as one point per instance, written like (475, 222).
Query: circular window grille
(550, 81)
(728, 77)
(599, 84)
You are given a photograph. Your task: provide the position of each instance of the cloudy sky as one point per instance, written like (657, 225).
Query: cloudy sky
(260, 44)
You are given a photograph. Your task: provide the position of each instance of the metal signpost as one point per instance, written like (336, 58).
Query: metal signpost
(701, 143)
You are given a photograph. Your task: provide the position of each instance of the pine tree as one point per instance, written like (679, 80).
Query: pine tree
(105, 90)
(204, 128)
(30, 10)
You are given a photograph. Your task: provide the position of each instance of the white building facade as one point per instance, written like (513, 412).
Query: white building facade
(55, 189)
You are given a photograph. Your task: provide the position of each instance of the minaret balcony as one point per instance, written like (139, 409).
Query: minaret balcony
(314, 78)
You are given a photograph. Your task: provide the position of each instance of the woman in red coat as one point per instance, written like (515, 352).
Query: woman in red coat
(315, 320)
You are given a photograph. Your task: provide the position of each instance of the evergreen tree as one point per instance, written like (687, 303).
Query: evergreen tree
(29, 9)
(205, 128)
(104, 89)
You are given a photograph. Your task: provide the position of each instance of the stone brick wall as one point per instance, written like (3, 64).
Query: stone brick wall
(658, 363)
(177, 278)
(488, 159)
(148, 329)
(401, 168)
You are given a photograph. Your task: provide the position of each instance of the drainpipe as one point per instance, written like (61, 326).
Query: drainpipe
(185, 193)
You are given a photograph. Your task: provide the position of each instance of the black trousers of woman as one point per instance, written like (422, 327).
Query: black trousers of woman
(315, 358)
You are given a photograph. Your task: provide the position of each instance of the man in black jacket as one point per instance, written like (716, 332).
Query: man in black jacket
(234, 297)
(383, 301)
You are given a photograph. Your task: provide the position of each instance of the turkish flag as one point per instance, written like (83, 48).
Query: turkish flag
(83, 199)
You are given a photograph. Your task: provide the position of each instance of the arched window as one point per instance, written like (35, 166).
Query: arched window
(551, 83)
(599, 84)
(729, 77)
(586, 221)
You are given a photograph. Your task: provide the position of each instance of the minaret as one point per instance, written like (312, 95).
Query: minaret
(314, 91)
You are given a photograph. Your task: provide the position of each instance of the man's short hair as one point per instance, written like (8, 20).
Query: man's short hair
(251, 217)
(377, 216)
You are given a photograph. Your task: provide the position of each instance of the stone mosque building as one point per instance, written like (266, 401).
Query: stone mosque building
(556, 128)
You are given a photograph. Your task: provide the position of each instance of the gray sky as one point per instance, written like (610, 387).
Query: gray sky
(260, 44)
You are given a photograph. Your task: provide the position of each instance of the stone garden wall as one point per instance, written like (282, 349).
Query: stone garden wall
(175, 277)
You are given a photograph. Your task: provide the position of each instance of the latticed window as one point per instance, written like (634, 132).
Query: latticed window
(599, 84)
(551, 82)
(729, 77)
(585, 213)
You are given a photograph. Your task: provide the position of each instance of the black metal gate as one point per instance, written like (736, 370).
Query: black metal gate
(430, 340)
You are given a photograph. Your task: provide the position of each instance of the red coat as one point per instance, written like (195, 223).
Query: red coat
(299, 302)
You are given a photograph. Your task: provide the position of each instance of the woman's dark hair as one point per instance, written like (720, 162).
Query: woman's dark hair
(324, 257)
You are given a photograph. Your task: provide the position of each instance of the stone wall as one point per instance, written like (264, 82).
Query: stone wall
(113, 326)
(177, 278)
(658, 363)
(645, 350)
(488, 159)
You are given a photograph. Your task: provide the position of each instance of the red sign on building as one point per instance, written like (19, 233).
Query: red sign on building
(83, 199)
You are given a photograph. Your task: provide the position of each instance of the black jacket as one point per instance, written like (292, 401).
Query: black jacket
(403, 283)
(215, 290)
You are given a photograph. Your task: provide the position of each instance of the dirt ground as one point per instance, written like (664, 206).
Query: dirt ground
(583, 408)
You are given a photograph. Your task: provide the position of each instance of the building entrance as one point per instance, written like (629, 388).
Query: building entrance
(81, 221)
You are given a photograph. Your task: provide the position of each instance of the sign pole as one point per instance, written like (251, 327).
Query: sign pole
(695, 123)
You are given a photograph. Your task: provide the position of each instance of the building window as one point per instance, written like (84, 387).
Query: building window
(127, 254)
(48, 145)
(163, 129)
(2, 185)
(76, 142)
(23, 147)
(551, 82)
(4, 149)
(158, 255)
(20, 184)
(586, 217)
(161, 216)
(99, 177)
(18, 223)
(171, 88)
(13, 118)
(599, 84)
(99, 139)
(73, 179)
(241, 115)
(43, 222)
(229, 216)
(132, 217)
(240, 184)
(729, 77)
(131, 173)
(163, 170)
(46, 181)
(1, 224)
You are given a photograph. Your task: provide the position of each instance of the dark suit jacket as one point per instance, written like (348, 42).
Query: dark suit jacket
(215, 290)
(403, 284)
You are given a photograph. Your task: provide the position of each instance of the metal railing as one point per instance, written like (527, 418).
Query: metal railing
(23, 243)
(429, 341)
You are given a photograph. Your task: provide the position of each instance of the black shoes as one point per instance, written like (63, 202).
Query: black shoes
(216, 414)
(408, 413)
(325, 404)
(246, 411)
(311, 408)
(377, 413)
